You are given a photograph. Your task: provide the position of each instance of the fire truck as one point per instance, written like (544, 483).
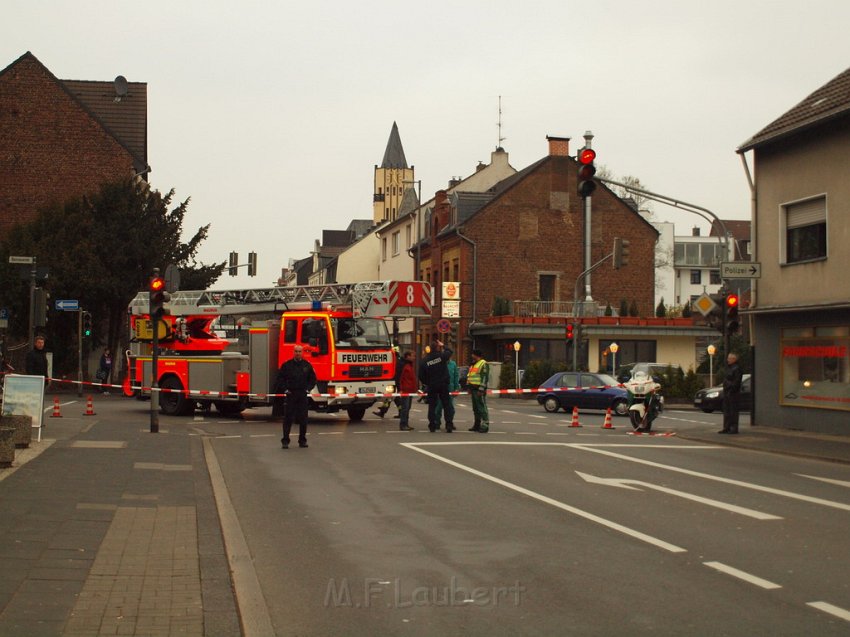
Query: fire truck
(224, 348)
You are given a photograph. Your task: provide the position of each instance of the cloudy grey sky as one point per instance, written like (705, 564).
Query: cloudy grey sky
(272, 115)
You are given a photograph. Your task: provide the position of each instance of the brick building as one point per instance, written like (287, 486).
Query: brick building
(61, 139)
(523, 240)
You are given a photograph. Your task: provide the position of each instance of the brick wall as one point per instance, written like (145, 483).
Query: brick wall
(51, 149)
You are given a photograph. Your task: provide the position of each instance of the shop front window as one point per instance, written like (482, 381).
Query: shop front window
(816, 367)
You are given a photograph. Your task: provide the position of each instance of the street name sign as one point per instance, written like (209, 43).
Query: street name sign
(740, 270)
(24, 260)
(68, 305)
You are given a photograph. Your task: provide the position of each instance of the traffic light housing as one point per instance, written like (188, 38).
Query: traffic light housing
(570, 334)
(731, 303)
(620, 256)
(252, 264)
(158, 296)
(41, 303)
(586, 171)
(233, 263)
(87, 324)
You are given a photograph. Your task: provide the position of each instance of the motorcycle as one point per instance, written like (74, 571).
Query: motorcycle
(645, 401)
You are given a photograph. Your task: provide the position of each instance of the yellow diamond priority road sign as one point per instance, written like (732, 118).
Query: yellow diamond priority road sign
(705, 304)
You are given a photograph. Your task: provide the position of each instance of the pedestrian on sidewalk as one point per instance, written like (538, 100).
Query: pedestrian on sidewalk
(295, 378)
(477, 380)
(104, 369)
(731, 394)
(36, 361)
(434, 372)
(407, 384)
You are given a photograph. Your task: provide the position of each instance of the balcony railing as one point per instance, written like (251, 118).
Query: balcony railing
(549, 308)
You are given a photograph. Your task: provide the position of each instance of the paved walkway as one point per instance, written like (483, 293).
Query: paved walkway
(113, 531)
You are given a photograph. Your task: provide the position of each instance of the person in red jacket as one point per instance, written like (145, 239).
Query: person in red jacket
(407, 384)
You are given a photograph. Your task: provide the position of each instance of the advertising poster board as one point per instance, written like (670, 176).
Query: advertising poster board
(24, 395)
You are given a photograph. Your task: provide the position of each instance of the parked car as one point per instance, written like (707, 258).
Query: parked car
(652, 370)
(711, 399)
(587, 391)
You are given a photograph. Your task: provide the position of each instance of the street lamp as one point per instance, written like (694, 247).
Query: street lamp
(517, 347)
(613, 347)
(711, 349)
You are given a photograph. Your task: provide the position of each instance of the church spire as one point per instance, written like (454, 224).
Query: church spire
(394, 155)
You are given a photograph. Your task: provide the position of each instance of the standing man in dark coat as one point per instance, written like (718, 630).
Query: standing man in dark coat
(36, 361)
(731, 394)
(296, 377)
(434, 372)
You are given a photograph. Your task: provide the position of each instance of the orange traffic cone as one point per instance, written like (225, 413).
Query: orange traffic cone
(607, 424)
(56, 413)
(575, 422)
(89, 408)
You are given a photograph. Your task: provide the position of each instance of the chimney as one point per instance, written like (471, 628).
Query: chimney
(559, 146)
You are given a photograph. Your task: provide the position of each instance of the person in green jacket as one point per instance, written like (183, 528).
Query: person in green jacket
(454, 385)
(477, 380)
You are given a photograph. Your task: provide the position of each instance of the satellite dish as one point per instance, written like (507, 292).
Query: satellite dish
(120, 84)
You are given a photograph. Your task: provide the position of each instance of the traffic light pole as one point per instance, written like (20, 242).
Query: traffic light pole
(578, 307)
(80, 352)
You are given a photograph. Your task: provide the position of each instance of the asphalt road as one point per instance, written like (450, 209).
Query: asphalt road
(535, 528)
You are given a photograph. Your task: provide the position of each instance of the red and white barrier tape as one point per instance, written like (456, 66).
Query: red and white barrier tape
(205, 393)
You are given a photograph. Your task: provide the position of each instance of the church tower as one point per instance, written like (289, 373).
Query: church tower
(392, 178)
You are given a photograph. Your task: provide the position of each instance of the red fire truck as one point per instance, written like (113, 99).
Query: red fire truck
(224, 348)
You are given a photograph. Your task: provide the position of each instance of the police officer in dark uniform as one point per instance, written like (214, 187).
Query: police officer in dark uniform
(731, 394)
(434, 372)
(296, 377)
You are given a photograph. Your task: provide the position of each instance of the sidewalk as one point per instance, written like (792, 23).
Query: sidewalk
(111, 530)
(789, 442)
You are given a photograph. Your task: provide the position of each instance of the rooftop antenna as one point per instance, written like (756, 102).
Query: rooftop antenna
(501, 139)
(120, 84)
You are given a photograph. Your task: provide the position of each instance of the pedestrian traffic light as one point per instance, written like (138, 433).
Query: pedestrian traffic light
(158, 296)
(586, 171)
(732, 322)
(233, 263)
(252, 264)
(570, 334)
(87, 324)
(621, 253)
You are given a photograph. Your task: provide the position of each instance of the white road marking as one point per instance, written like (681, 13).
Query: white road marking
(832, 610)
(364, 432)
(525, 433)
(840, 483)
(330, 433)
(638, 485)
(538, 416)
(742, 575)
(263, 436)
(747, 485)
(555, 503)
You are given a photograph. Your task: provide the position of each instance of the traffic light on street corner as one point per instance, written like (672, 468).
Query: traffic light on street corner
(570, 334)
(158, 296)
(41, 305)
(731, 304)
(586, 171)
(233, 262)
(620, 256)
(87, 324)
(252, 264)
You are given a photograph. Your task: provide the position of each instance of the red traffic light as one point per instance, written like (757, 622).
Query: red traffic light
(569, 331)
(732, 301)
(157, 284)
(586, 156)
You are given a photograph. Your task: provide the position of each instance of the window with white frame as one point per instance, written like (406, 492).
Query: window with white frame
(395, 242)
(804, 228)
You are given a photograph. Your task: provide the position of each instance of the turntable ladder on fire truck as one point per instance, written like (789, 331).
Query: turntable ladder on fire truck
(388, 299)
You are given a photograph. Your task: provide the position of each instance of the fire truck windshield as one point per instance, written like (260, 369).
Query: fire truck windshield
(360, 333)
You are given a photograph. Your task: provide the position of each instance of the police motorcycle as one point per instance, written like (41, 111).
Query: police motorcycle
(645, 401)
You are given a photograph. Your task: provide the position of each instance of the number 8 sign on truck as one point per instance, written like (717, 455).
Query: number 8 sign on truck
(413, 298)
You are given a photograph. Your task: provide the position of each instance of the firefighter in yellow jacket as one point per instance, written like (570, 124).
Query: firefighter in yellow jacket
(479, 376)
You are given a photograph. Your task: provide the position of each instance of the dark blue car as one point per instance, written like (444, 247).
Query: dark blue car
(585, 391)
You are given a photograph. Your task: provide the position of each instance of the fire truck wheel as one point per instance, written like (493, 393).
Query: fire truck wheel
(174, 403)
(355, 414)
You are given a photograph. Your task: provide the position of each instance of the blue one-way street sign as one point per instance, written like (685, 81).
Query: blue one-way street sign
(69, 305)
